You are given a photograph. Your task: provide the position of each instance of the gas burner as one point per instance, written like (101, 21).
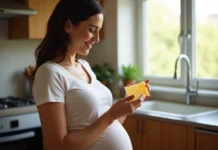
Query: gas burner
(12, 102)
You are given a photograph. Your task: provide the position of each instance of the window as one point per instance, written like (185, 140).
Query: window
(207, 38)
(163, 28)
(172, 27)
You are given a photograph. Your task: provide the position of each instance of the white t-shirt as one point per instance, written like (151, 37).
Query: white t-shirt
(84, 102)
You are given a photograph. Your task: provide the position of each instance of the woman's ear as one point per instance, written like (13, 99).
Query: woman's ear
(68, 26)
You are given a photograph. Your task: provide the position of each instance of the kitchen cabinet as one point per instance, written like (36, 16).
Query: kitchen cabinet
(34, 27)
(206, 140)
(148, 134)
(133, 125)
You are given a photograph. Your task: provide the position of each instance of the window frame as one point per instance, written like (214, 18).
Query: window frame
(187, 26)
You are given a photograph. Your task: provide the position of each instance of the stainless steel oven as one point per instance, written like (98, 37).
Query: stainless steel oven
(22, 140)
(20, 127)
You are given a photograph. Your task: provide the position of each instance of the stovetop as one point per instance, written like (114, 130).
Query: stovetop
(15, 102)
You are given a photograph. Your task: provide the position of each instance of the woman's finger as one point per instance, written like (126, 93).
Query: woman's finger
(126, 99)
(147, 82)
(139, 101)
(147, 85)
(147, 97)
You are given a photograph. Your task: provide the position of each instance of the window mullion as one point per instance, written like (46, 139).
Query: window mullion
(191, 44)
(184, 29)
(140, 23)
(184, 32)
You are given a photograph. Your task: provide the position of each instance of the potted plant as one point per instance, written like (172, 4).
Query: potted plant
(130, 74)
(103, 73)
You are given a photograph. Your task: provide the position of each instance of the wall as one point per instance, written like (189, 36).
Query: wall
(15, 55)
(126, 32)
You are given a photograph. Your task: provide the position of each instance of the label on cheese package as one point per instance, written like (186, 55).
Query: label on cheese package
(137, 90)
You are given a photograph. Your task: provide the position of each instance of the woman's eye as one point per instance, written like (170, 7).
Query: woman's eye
(92, 31)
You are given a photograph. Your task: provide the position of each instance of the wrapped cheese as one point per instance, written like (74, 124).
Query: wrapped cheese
(137, 90)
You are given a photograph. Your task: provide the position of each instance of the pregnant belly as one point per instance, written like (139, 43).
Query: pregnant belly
(114, 137)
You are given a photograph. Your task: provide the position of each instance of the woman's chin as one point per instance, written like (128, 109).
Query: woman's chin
(86, 52)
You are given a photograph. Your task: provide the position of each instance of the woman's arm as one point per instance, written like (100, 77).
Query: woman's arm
(122, 119)
(54, 125)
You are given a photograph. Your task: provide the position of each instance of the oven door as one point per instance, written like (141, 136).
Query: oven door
(22, 140)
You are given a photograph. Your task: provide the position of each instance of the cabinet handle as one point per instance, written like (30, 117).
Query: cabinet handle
(206, 131)
(143, 127)
(137, 126)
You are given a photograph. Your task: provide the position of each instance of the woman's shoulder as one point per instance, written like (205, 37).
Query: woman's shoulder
(47, 68)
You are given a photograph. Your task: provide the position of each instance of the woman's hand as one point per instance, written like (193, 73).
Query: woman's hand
(148, 87)
(125, 107)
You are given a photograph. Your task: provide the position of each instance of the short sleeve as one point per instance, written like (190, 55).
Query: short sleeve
(48, 85)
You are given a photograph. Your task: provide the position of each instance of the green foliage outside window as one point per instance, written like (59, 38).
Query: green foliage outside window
(163, 36)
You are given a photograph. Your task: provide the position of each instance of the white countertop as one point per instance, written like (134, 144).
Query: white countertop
(18, 111)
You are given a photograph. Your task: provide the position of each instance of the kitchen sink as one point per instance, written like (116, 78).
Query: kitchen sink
(174, 109)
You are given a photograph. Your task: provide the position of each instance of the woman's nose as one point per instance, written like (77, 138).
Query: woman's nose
(96, 38)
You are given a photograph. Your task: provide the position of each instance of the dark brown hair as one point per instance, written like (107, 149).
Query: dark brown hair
(56, 39)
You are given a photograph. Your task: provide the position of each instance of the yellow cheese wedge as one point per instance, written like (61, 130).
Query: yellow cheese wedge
(137, 90)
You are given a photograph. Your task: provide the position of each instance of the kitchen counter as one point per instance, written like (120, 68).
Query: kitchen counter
(209, 121)
(18, 111)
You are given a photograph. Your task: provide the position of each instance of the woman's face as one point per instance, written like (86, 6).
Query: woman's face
(83, 36)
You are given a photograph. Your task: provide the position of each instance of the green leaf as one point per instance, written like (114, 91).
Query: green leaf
(131, 72)
(103, 72)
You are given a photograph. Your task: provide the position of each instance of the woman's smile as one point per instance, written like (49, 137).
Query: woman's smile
(88, 45)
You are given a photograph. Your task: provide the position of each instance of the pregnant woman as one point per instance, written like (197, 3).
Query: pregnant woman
(75, 109)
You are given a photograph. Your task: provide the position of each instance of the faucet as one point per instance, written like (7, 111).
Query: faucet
(189, 91)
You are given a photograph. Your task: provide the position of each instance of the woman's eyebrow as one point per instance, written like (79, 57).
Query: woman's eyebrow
(91, 25)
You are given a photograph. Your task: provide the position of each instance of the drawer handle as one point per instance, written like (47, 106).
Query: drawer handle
(137, 126)
(143, 127)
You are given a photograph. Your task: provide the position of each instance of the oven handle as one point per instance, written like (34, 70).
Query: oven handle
(15, 137)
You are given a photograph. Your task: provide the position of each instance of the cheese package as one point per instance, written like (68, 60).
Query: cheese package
(137, 90)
